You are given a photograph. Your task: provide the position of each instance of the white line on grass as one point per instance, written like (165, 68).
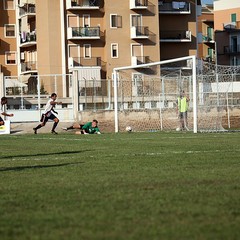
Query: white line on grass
(180, 152)
(104, 139)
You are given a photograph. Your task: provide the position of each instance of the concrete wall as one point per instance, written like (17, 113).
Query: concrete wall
(225, 4)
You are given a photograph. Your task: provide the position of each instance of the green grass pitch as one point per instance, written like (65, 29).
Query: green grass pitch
(120, 186)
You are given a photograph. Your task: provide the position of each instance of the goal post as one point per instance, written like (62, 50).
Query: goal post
(139, 92)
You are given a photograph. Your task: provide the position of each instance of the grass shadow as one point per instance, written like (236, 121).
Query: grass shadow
(21, 168)
(42, 154)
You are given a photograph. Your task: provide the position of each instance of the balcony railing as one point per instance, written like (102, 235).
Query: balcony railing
(29, 66)
(138, 4)
(27, 39)
(137, 60)
(139, 32)
(232, 49)
(83, 4)
(175, 36)
(207, 38)
(84, 62)
(209, 59)
(174, 7)
(84, 32)
(232, 26)
(27, 10)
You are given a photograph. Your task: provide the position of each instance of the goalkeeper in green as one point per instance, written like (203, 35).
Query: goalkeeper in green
(87, 128)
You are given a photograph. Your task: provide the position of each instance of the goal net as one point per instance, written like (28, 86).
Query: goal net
(218, 97)
(145, 96)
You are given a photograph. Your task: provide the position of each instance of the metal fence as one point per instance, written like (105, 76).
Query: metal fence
(27, 95)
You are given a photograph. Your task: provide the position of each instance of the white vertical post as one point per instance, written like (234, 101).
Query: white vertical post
(75, 95)
(55, 84)
(2, 84)
(64, 87)
(115, 99)
(39, 93)
(228, 114)
(194, 95)
(160, 111)
(109, 94)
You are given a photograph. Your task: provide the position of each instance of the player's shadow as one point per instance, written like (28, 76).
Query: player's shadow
(20, 168)
(42, 154)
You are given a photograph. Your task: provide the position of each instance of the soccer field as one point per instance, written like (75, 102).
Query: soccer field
(120, 186)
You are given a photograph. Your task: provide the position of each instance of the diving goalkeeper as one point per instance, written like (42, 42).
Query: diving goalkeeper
(87, 128)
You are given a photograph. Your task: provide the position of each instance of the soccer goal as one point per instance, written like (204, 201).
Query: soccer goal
(145, 96)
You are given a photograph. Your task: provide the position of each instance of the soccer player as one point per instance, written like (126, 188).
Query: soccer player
(182, 108)
(49, 113)
(88, 128)
(2, 112)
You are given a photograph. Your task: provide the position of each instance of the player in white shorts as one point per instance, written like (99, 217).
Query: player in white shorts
(2, 112)
(49, 113)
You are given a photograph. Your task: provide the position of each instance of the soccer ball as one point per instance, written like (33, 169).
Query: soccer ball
(178, 129)
(128, 129)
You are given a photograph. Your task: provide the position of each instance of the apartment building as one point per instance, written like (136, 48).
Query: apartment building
(206, 45)
(227, 31)
(178, 28)
(42, 37)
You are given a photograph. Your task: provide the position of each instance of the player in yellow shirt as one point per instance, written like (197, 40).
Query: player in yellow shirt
(182, 108)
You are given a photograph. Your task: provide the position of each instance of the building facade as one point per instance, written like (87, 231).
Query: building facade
(227, 31)
(206, 46)
(92, 36)
(42, 37)
(178, 28)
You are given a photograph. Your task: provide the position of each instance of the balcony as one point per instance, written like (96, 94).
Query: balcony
(27, 10)
(84, 62)
(29, 67)
(232, 26)
(138, 4)
(174, 7)
(175, 36)
(28, 39)
(137, 60)
(209, 59)
(83, 4)
(208, 39)
(232, 50)
(84, 33)
(139, 32)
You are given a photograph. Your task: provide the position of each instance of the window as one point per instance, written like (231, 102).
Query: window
(74, 55)
(86, 20)
(114, 50)
(87, 50)
(9, 4)
(235, 61)
(115, 21)
(11, 58)
(136, 20)
(9, 30)
(233, 17)
(210, 53)
(209, 33)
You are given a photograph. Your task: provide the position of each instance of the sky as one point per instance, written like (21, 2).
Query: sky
(207, 1)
